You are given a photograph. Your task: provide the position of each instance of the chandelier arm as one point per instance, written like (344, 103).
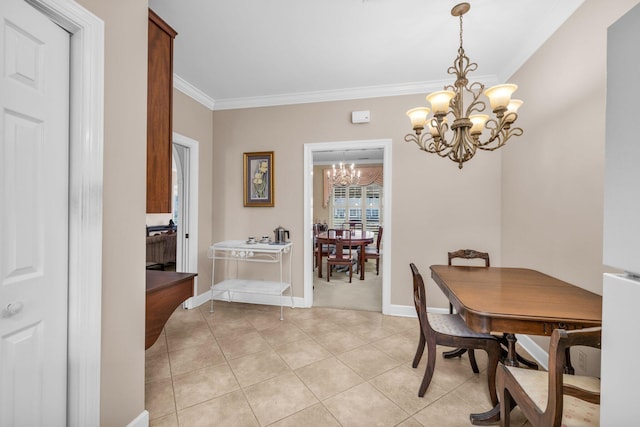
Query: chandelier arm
(476, 104)
(440, 144)
(500, 132)
(422, 141)
(502, 138)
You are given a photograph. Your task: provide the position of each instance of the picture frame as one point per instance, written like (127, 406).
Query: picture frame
(258, 180)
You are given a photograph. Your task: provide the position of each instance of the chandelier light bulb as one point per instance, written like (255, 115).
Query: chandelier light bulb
(478, 121)
(513, 106)
(500, 95)
(418, 117)
(440, 101)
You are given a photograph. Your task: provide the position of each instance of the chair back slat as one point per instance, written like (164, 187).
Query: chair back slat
(469, 254)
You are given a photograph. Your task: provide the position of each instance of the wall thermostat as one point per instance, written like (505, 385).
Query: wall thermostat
(360, 117)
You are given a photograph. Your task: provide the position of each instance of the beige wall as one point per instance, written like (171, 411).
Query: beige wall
(552, 185)
(195, 121)
(436, 207)
(123, 280)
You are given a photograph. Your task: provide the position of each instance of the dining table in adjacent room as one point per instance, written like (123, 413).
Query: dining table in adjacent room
(515, 301)
(360, 238)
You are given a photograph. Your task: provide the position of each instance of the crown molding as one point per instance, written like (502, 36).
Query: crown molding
(188, 89)
(413, 88)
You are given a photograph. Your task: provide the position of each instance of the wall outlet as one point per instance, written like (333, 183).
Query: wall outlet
(582, 360)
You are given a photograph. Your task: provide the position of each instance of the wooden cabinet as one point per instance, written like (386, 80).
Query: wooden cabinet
(166, 290)
(159, 114)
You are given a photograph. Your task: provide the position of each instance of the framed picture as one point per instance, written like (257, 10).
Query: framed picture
(258, 179)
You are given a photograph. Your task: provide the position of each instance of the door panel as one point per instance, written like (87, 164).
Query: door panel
(34, 171)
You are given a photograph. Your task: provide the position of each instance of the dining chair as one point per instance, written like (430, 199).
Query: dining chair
(374, 253)
(465, 254)
(317, 229)
(449, 330)
(553, 398)
(355, 225)
(342, 255)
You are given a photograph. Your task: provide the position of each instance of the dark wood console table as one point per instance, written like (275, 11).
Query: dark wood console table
(166, 290)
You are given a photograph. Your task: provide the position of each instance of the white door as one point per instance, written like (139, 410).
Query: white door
(181, 160)
(34, 169)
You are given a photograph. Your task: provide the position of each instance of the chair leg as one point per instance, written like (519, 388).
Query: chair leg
(505, 407)
(472, 361)
(492, 366)
(568, 369)
(378, 266)
(350, 271)
(419, 351)
(431, 364)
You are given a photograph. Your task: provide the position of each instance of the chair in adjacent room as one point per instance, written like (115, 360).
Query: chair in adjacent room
(342, 255)
(374, 253)
(355, 225)
(553, 398)
(449, 330)
(317, 229)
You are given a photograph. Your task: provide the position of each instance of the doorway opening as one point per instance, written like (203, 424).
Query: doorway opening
(185, 211)
(317, 153)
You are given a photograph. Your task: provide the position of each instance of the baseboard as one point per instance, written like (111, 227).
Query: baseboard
(141, 420)
(197, 301)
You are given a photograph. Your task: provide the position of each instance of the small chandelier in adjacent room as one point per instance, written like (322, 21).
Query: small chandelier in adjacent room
(460, 141)
(343, 176)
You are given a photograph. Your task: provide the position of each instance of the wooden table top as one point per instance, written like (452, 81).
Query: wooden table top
(158, 280)
(516, 300)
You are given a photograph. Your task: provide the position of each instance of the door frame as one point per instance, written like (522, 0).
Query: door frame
(86, 133)
(309, 149)
(191, 265)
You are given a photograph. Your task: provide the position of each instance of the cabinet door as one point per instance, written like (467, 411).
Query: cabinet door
(159, 115)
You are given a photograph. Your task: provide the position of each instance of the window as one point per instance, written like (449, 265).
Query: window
(357, 203)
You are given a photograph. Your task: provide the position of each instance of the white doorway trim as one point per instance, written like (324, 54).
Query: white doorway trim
(85, 206)
(191, 265)
(309, 149)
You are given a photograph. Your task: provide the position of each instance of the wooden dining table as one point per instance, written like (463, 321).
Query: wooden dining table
(515, 301)
(359, 238)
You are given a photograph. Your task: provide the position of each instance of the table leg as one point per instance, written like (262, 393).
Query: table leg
(319, 258)
(512, 358)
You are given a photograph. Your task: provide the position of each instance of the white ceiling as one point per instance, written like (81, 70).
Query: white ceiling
(244, 53)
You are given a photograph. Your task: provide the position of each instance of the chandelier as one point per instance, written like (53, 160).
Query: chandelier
(460, 141)
(343, 176)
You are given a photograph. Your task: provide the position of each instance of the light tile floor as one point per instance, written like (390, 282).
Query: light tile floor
(242, 366)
